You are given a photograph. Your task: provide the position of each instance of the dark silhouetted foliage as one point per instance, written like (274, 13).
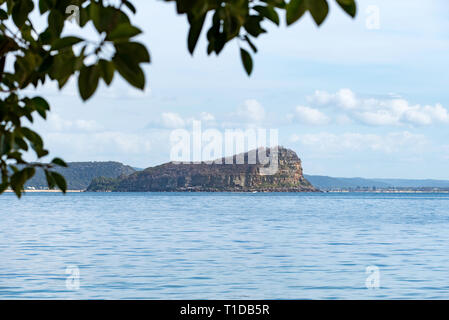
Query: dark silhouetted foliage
(38, 57)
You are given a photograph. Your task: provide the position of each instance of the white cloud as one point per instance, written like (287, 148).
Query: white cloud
(127, 143)
(320, 98)
(307, 115)
(379, 112)
(206, 116)
(378, 118)
(56, 123)
(343, 119)
(133, 148)
(100, 143)
(251, 111)
(86, 125)
(250, 114)
(344, 98)
(172, 120)
(388, 143)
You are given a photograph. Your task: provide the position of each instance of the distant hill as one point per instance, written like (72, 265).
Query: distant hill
(405, 183)
(80, 174)
(117, 176)
(325, 182)
(217, 176)
(329, 183)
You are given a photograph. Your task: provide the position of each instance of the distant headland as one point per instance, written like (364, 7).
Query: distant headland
(221, 177)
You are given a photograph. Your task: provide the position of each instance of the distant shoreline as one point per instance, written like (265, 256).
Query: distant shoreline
(389, 191)
(46, 191)
(325, 191)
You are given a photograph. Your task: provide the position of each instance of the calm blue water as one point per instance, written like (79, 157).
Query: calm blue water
(227, 246)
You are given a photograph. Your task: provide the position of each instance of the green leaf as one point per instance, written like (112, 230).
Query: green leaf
(130, 71)
(106, 71)
(19, 178)
(133, 51)
(276, 3)
(318, 9)
(126, 60)
(253, 27)
(88, 81)
(50, 180)
(59, 162)
(3, 15)
(34, 138)
(59, 181)
(295, 10)
(17, 181)
(349, 6)
(196, 25)
(123, 31)
(5, 143)
(44, 5)
(41, 106)
(3, 186)
(130, 6)
(269, 13)
(94, 12)
(29, 173)
(21, 143)
(246, 60)
(106, 18)
(21, 10)
(55, 24)
(251, 44)
(65, 42)
(46, 63)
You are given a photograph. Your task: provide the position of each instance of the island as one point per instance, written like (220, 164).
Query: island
(214, 176)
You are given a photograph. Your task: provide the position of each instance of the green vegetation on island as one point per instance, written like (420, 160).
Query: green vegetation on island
(80, 174)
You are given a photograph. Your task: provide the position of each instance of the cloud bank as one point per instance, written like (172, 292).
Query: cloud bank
(375, 112)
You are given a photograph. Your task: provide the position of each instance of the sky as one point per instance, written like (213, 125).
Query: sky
(364, 97)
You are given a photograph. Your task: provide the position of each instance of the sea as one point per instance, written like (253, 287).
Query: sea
(224, 246)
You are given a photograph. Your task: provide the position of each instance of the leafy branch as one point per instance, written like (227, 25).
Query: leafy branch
(30, 58)
(242, 20)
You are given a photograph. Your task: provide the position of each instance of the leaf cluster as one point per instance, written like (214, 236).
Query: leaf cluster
(30, 57)
(243, 20)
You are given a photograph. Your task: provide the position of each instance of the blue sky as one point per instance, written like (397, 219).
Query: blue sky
(349, 99)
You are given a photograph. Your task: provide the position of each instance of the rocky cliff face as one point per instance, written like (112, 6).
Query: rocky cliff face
(217, 176)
